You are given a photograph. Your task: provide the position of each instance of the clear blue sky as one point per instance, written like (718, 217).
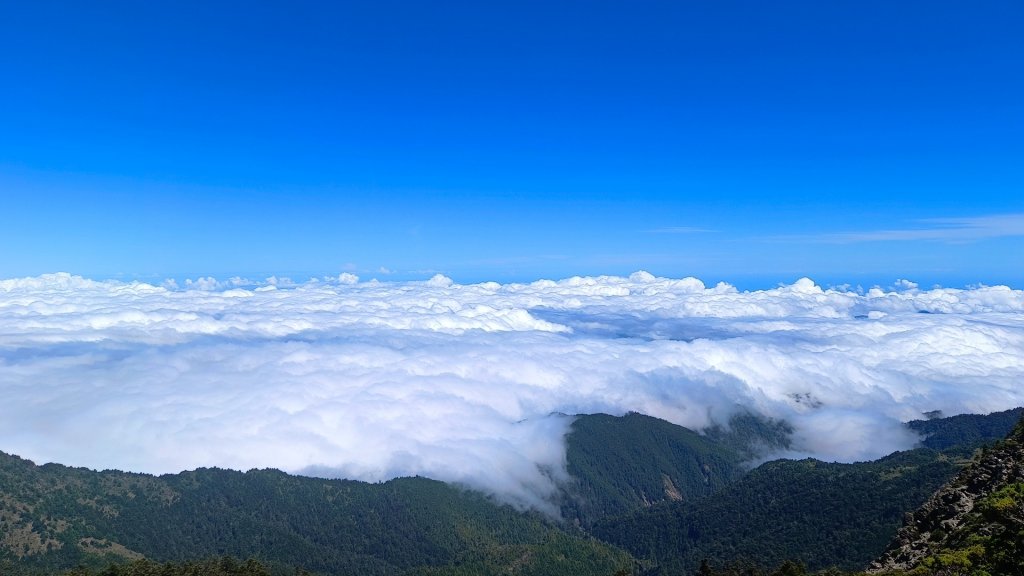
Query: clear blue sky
(753, 142)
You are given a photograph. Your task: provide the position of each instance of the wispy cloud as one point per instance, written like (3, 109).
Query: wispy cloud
(968, 229)
(679, 230)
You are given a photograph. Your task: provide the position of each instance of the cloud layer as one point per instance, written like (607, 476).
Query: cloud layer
(467, 383)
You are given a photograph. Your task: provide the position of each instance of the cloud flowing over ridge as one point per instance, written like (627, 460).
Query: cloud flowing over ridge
(466, 383)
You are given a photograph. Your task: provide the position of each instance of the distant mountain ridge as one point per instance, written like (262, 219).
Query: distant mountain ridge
(967, 431)
(825, 514)
(626, 463)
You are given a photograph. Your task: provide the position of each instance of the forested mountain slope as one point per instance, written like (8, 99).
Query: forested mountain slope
(56, 517)
(822, 513)
(966, 431)
(825, 514)
(667, 494)
(622, 464)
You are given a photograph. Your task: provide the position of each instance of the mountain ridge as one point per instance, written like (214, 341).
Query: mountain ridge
(976, 521)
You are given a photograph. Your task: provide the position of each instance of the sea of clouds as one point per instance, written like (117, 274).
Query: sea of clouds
(472, 383)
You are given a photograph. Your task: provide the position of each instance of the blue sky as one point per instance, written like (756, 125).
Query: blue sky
(749, 142)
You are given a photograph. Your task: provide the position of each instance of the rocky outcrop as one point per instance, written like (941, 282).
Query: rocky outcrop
(962, 508)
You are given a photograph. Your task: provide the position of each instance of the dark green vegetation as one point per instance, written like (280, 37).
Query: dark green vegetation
(57, 517)
(966, 431)
(669, 496)
(225, 566)
(622, 464)
(823, 513)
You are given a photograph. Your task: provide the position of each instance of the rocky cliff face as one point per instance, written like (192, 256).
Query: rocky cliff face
(974, 522)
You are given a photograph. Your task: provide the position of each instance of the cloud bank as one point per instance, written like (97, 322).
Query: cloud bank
(470, 383)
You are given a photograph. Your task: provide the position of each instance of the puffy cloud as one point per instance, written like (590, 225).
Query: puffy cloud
(469, 383)
(348, 278)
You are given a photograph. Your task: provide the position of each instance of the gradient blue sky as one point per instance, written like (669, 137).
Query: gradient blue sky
(751, 142)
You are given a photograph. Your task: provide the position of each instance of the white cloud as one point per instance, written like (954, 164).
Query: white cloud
(439, 281)
(372, 380)
(348, 278)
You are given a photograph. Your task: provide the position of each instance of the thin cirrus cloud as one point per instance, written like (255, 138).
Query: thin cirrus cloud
(679, 230)
(471, 383)
(940, 229)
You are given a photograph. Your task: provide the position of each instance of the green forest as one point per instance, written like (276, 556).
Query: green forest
(646, 497)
